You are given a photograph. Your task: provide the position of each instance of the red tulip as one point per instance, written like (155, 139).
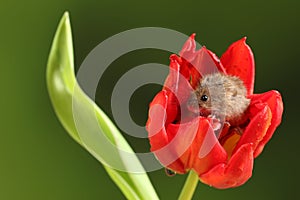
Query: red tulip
(184, 142)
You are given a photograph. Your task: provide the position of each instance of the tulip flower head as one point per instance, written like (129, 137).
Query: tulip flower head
(206, 117)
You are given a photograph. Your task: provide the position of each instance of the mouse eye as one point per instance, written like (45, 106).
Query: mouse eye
(204, 97)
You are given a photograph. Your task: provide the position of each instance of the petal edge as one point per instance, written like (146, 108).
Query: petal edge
(238, 60)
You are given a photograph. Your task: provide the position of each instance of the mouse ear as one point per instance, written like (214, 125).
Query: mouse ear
(234, 92)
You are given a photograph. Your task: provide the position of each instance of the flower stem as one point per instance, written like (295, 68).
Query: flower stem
(189, 186)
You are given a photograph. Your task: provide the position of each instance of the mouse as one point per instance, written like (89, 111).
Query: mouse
(219, 96)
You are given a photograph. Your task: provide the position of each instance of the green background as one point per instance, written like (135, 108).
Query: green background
(38, 160)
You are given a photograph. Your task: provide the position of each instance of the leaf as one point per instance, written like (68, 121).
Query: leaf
(65, 92)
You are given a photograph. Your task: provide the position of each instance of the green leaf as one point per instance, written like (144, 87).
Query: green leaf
(65, 92)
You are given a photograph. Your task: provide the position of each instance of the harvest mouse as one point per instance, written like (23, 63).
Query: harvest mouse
(219, 96)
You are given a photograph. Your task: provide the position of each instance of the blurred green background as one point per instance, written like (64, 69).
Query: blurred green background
(38, 158)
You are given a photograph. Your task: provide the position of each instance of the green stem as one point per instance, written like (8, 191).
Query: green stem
(189, 186)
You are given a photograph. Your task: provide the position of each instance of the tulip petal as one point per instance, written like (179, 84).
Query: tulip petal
(155, 126)
(195, 145)
(156, 121)
(188, 50)
(206, 151)
(257, 127)
(235, 173)
(200, 62)
(177, 81)
(205, 62)
(217, 61)
(274, 101)
(238, 61)
(173, 151)
(182, 137)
